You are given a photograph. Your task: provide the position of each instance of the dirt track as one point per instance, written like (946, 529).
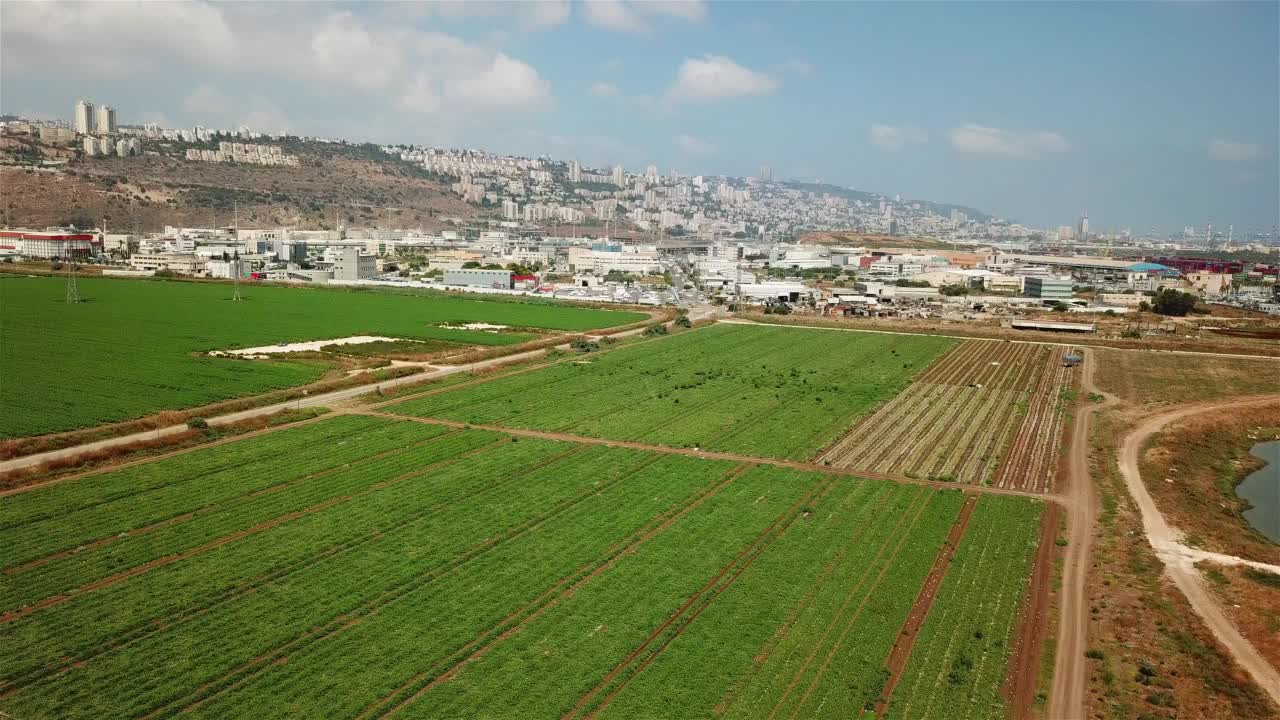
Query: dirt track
(1070, 673)
(1179, 560)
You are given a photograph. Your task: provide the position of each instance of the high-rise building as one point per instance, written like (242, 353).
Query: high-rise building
(618, 178)
(106, 120)
(84, 117)
(651, 174)
(766, 173)
(1082, 228)
(575, 172)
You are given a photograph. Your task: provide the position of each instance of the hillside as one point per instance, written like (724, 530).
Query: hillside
(147, 193)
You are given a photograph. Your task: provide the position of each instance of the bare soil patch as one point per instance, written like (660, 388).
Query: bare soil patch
(1251, 599)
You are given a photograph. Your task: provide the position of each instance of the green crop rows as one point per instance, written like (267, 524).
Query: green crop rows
(763, 391)
(133, 347)
(962, 652)
(358, 566)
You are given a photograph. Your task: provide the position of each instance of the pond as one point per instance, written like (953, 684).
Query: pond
(1262, 489)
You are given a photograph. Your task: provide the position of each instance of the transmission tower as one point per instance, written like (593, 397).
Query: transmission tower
(235, 274)
(73, 292)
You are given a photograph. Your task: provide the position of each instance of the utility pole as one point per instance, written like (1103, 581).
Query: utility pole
(73, 291)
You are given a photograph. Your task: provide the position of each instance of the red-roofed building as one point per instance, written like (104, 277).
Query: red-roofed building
(52, 244)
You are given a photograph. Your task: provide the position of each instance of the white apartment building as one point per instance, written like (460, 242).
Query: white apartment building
(84, 117)
(106, 124)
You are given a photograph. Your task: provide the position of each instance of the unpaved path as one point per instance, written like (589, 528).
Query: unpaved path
(320, 400)
(1070, 673)
(1179, 560)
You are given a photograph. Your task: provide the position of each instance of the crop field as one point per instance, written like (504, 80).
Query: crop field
(134, 347)
(987, 413)
(362, 567)
(761, 390)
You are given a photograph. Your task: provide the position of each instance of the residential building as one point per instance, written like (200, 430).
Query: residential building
(106, 124)
(84, 117)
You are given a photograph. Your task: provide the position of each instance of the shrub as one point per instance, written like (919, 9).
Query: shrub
(197, 423)
(656, 329)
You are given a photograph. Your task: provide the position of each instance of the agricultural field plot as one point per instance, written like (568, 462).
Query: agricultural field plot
(758, 390)
(132, 347)
(987, 413)
(422, 571)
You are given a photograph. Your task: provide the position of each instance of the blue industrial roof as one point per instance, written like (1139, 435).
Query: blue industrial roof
(1151, 267)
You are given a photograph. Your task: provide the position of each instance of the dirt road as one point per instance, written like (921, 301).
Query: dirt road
(1179, 560)
(1070, 672)
(320, 400)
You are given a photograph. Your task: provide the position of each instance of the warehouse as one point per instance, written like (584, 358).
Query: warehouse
(474, 277)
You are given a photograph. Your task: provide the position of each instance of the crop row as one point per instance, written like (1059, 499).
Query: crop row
(952, 424)
(767, 391)
(205, 531)
(961, 654)
(1032, 460)
(131, 349)
(437, 557)
(88, 625)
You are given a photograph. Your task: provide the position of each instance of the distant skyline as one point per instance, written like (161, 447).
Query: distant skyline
(1143, 115)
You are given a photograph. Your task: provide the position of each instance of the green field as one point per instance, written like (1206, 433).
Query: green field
(764, 391)
(132, 347)
(358, 566)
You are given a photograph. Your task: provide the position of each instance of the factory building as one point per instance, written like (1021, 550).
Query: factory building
(474, 277)
(1048, 289)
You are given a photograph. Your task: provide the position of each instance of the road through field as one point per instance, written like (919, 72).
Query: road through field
(1179, 560)
(321, 400)
(1070, 674)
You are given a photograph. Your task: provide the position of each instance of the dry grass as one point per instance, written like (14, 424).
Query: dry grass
(1192, 469)
(1139, 619)
(1252, 601)
(1147, 381)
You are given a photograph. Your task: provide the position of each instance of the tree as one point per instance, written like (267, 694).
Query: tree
(954, 290)
(1173, 302)
(470, 264)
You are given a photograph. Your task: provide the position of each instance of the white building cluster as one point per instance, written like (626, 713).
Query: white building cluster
(246, 153)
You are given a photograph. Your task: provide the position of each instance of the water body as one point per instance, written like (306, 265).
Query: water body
(1262, 489)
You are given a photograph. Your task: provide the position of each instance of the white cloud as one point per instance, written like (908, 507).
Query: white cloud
(715, 77)
(507, 84)
(1232, 151)
(421, 96)
(891, 138)
(543, 13)
(604, 90)
(693, 145)
(1024, 144)
(380, 56)
(633, 16)
(206, 100)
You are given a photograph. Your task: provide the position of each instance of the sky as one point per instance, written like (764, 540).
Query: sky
(1145, 116)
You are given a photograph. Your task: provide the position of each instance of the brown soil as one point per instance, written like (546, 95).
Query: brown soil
(146, 193)
(1251, 599)
(991, 330)
(1139, 618)
(1192, 469)
(1023, 681)
(901, 651)
(1146, 381)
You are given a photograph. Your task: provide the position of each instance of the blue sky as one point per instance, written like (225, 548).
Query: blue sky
(1145, 115)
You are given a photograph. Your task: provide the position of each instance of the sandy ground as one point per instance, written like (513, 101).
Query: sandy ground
(1179, 560)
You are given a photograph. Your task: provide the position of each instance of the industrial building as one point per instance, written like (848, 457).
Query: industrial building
(351, 264)
(474, 277)
(51, 245)
(1048, 289)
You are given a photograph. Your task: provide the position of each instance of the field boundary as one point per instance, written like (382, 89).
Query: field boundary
(902, 647)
